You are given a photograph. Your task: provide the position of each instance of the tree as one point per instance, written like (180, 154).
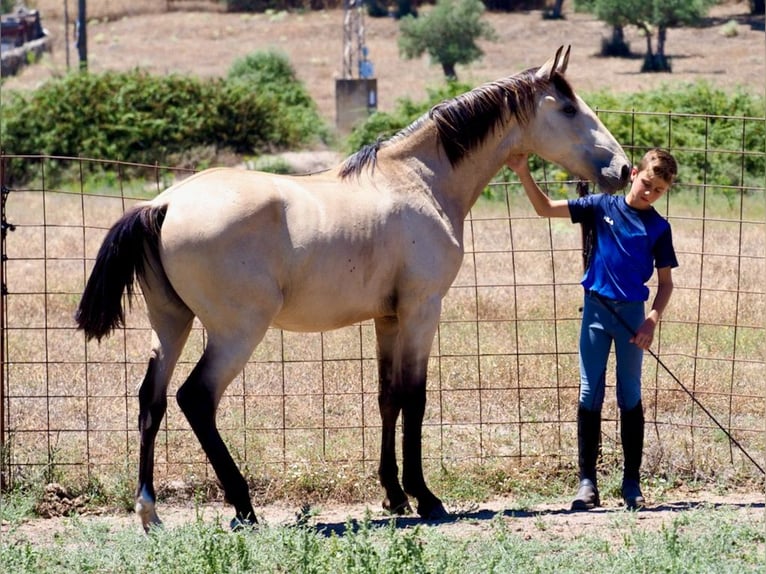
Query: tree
(648, 16)
(448, 33)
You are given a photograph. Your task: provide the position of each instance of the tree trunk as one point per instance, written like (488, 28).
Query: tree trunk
(449, 70)
(652, 62)
(659, 62)
(662, 33)
(616, 45)
(648, 35)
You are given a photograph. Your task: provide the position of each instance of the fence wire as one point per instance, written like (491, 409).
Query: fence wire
(503, 377)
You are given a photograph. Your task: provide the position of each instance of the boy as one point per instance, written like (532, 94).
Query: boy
(630, 240)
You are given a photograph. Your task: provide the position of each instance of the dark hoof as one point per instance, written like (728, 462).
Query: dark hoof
(435, 511)
(401, 509)
(238, 524)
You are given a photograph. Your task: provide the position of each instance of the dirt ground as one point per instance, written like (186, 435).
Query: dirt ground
(206, 43)
(544, 521)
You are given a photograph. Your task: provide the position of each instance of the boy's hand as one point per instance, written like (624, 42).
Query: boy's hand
(644, 335)
(518, 162)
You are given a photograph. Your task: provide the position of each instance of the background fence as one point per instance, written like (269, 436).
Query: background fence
(503, 379)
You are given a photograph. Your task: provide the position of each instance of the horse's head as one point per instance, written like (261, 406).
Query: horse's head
(564, 130)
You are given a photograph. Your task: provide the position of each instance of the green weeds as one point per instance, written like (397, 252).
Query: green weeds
(701, 540)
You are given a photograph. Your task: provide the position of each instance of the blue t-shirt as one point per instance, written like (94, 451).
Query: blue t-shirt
(628, 244)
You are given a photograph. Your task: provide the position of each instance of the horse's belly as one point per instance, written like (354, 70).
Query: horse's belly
(332, 310)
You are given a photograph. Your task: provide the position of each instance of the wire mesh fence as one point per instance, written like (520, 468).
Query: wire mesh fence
(503, 376)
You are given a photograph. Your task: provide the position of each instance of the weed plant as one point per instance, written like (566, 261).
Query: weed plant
(706, 539)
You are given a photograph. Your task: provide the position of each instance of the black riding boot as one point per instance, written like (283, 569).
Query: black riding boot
(632, 435)
(588, 442)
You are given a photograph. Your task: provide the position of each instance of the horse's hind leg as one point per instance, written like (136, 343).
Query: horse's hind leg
(224, 357)
(168, 338)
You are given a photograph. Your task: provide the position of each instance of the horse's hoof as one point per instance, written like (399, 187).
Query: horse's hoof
(401, 509)
(145, 510)
(238, 523)
(435, 512)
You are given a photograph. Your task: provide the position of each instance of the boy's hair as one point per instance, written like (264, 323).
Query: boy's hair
(660, 163)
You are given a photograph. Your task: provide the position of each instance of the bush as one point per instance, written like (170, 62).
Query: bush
(264, 5)
(697, 134)
(381, 125)
(136, 117)
(271, 75)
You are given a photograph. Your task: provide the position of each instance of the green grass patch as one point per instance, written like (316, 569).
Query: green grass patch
(706, 539)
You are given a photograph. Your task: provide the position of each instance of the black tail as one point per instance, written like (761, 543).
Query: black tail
(130, 244)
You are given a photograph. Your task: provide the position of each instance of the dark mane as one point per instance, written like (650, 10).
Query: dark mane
(465, 121)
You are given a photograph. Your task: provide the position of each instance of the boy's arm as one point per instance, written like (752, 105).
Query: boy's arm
(544, 206)
(645, 333)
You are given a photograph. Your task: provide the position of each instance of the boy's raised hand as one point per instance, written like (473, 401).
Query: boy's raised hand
(518, 162)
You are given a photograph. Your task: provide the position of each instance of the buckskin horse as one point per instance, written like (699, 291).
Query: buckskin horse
(378, 237)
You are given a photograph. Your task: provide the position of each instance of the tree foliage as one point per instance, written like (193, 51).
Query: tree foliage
(448, 33)
(650, 16)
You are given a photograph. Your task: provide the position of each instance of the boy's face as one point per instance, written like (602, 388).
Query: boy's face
(645, 189)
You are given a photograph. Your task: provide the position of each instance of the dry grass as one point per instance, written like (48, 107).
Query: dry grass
(302, 418)
(503, 377)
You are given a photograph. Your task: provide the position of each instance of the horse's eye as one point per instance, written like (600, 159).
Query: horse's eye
(569, 110)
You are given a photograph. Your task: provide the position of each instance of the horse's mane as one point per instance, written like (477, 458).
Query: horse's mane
(463, 122)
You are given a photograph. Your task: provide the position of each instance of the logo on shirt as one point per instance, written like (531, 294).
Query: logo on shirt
(609, 220)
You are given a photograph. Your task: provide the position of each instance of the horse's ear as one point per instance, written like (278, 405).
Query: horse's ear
(551, 65)
(565, 62)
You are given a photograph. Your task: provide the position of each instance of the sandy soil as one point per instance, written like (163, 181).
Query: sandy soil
(546, 521)
(206, 43)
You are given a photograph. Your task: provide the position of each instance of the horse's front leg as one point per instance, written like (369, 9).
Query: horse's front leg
(416, 336)
(413, 409)
(389, 403)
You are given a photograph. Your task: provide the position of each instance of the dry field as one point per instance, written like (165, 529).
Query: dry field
(124, 36)
(502, 383)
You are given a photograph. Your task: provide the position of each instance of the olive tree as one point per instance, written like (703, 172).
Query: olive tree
(649, 16)
(448, 33)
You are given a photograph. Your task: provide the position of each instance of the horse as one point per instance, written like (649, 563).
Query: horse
(378, 237)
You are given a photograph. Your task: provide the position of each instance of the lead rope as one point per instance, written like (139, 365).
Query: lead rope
(734, 441)
(587, 238)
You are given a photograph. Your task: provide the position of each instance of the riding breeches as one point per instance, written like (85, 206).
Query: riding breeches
(604, 322)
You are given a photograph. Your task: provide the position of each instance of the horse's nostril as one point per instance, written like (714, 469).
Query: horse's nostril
(625, 172)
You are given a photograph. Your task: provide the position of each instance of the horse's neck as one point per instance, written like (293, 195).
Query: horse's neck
(455, 189)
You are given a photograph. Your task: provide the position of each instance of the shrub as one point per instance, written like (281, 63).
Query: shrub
(273, 77)
(134, 116)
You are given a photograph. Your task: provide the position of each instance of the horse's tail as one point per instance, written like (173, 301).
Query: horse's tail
(131, 243)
